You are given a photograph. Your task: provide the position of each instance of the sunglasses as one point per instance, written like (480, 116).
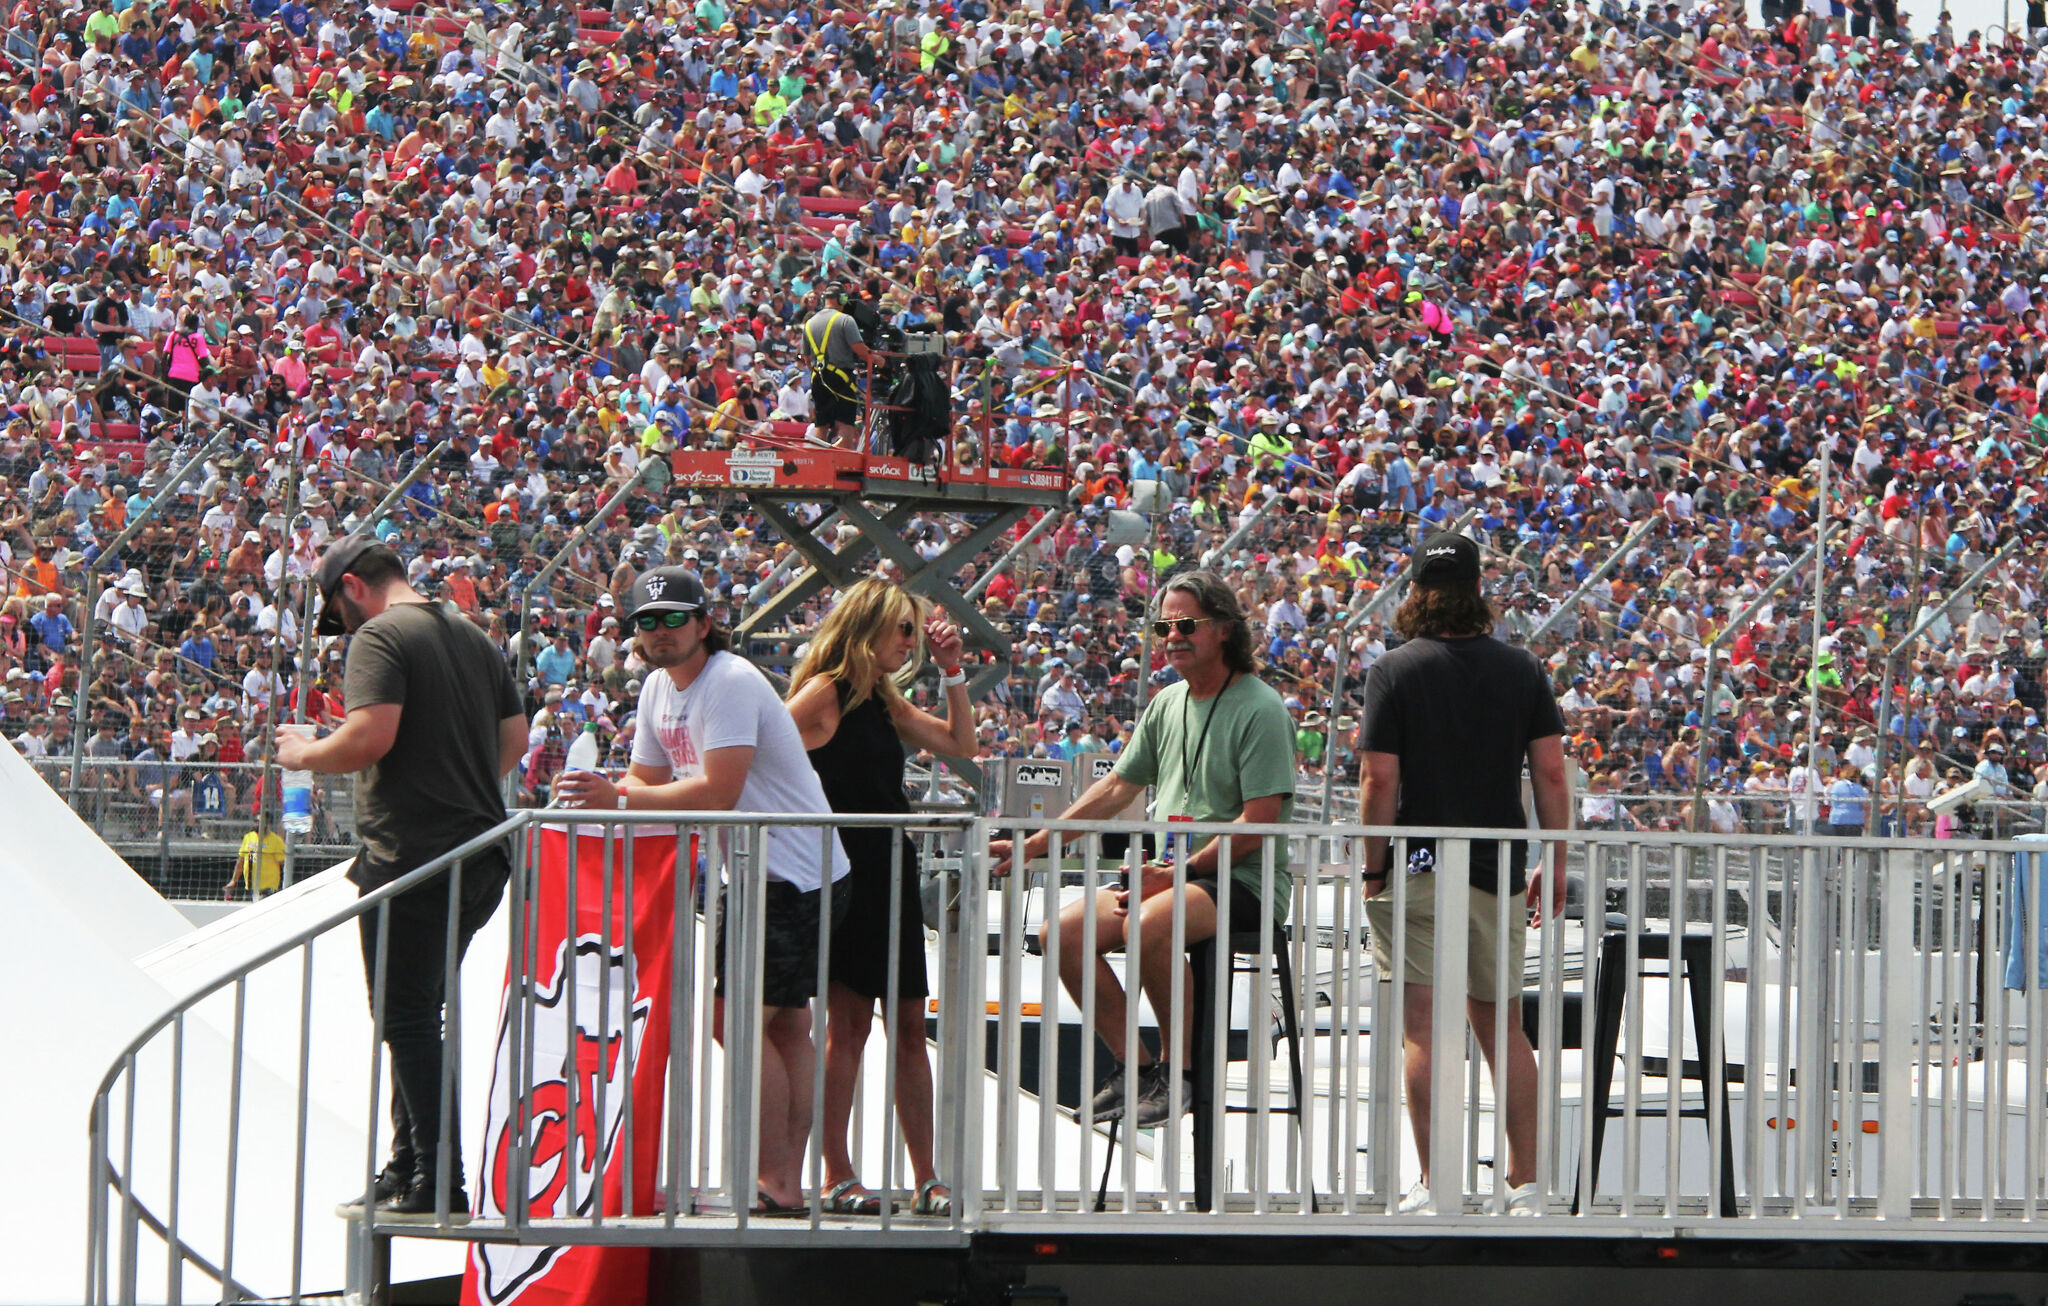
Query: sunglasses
(673, 620)
(906, 628)
(1182, 626)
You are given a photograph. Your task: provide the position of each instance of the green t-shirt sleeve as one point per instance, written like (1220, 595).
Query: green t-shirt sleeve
(1265, 750)
(1139, 762)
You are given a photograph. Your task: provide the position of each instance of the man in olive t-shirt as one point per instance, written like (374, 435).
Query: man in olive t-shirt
(434, 721)
(1218, 746)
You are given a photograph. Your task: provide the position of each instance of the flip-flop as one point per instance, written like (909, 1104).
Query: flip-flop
(840, 1199)
(770, 1209)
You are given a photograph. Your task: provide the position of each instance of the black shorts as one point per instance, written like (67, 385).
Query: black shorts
(789, 966)
(860, 942)
(833, 402)
(1246, 907)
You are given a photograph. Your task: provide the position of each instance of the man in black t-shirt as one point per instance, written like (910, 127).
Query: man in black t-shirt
(1450, 717)
(434, 722)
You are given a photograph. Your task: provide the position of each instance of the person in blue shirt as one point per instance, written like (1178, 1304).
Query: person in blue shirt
(1439, 510)
(53, 629)
(1848, 802)
(198, 650)
(556, 663)
(1400, 488)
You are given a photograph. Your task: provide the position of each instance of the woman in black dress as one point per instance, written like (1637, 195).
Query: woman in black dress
(848, 702)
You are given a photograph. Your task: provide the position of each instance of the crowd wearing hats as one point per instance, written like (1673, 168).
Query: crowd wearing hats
(1609, 285)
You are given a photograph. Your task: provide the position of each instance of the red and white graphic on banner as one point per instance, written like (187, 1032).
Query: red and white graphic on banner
(635, 1015)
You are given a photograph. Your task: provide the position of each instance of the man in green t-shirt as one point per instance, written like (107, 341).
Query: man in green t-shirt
(1217, 747)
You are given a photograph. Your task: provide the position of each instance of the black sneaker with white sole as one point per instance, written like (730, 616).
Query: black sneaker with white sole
(390, 1182)
(416, 1205)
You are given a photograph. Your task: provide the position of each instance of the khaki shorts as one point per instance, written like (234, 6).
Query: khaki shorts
(1482, 937)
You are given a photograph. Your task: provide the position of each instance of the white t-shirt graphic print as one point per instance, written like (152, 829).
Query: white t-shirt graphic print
(731, 705)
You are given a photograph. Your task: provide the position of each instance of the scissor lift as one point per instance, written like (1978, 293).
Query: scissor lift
(878, 496)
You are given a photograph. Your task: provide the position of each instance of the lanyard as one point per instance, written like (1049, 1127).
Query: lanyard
(1187, 764)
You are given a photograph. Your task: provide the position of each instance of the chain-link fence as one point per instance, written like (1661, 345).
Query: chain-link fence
(203, 830)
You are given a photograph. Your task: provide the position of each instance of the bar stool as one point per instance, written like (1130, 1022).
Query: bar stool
(1695, 952)
(1244, 944)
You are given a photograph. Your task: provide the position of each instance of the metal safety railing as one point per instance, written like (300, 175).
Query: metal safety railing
(1756, 1036)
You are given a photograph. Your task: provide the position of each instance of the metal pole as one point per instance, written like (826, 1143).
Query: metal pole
(1820, 607)
(1237, 536)
(92, 598)
(305, 681)
(284, 575)
(1736, 623)
(404, 483)
(1038, 528)
(547, 570)
(1145, 629)
(1906, 641)
(1351, 623)
(1600, 573)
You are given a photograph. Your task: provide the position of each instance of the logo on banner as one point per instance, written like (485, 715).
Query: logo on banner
(592, 1054)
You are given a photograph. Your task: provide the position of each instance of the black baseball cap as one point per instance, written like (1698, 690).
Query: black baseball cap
(668, 589)
(336, 562)
(1447, 557)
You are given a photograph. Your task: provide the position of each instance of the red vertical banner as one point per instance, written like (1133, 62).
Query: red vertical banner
(576, 1160)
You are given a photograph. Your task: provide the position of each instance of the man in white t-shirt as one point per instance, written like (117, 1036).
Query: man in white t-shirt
(712, 735)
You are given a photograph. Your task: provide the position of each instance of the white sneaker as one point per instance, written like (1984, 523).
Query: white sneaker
(1417, 1202)
(1523, 1200)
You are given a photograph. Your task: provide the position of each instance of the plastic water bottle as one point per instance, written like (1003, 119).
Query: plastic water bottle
(298, 789)
(583, 754)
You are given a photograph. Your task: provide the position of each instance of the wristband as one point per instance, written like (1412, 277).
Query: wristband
(622, 800)
(948, 679)
(1372, 878)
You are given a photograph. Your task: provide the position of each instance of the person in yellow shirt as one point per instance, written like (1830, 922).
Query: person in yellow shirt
(768, 106)
(934, 48)
(102, 26)
(260, 864)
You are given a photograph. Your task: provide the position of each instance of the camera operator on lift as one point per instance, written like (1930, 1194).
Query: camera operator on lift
(835, 339)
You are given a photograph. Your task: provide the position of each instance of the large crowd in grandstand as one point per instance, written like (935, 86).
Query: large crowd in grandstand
(1609, 285)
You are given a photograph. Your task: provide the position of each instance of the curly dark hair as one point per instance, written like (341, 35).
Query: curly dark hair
(1217, 601)
(1454, 611)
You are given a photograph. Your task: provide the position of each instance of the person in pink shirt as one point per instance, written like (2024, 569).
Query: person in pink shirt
(185, 352)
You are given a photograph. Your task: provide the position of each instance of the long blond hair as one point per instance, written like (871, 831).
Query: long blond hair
(843, 650)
